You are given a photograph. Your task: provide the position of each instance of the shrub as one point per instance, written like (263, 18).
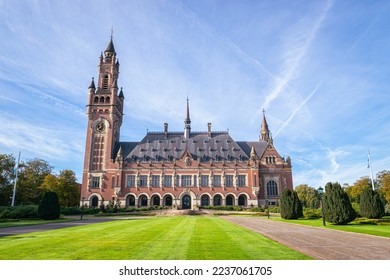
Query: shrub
(20, 212)
(337, 206)
(313, 214)
(371, 204)
(290, 206)
(49, 208)
(356, 207)
(274, 209)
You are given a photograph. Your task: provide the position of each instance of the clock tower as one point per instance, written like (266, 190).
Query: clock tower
(104, 113)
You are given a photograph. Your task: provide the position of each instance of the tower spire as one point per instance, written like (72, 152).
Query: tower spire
(187, 122)
(264, 133)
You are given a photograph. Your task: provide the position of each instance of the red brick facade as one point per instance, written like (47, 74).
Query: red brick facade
(183, 170)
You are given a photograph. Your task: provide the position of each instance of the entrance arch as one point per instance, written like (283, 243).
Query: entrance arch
(205, 200)
(94, 201)
(217, 201)
(242, 200)
(155, 200)
(168, 200)
(131, 201)
(142, 201)
(186, 202)
(229, 200)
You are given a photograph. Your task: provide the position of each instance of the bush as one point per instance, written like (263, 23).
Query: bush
(290, 206)
(337, 206)
(49, 208)
(356, 207)
(312, 214)
(387, 209)
(274, 209)
(371, 204)
(20, 212)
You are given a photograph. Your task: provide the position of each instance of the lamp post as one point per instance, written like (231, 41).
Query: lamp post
(267, 205)
(82, 207)
(321, 192)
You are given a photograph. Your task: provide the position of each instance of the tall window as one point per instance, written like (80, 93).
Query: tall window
(229, 180)
(204, 180)
(241, 180)
(272, 188)
(155, 181)
(168, 181)
(130, 181)
(217, 180)
(143, 180)
(95, 182)
(105, 82)
(186, 180)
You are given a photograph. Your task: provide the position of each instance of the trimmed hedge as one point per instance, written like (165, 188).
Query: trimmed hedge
(19, 212)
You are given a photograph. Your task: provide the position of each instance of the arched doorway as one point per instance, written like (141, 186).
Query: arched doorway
(242, 200)
(186, 202)
(168, 200)
(205, 200)
(217, 201)
(142, 201)
(155, 200)
(131, 201)
(229, 200)
(94, 201)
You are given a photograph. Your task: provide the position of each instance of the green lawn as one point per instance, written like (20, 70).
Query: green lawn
(378, 230)
(163, 238)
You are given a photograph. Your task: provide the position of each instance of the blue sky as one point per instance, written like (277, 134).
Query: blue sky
(320, 69)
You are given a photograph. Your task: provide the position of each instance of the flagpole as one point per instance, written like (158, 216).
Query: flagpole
(16, 180)
(369, 164)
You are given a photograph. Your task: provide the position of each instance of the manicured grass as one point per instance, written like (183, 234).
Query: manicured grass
(163, 238)
(17, 223)
(378, 230)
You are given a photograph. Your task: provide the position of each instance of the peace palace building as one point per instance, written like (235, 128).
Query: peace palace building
(179, 169)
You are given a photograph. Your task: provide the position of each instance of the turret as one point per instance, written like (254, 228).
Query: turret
(187, 123)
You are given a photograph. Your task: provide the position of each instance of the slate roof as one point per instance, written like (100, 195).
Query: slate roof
(156, 146)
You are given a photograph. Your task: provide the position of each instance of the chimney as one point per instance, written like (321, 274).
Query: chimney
(209, 129)
(166, 130)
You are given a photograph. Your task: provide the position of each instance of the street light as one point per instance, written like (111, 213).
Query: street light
(82, 207)
(321, 192)
(267, 205)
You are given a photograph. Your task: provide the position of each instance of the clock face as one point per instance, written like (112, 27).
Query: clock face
(100, 127)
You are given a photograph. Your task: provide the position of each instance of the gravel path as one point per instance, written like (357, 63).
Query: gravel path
(319, 243)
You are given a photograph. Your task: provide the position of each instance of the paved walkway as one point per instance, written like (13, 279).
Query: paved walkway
(319, 243)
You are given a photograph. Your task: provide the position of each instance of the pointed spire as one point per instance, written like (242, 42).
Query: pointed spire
(253, 155)
(121, 94)
(187, 122)
(264, 133)
(92, 85)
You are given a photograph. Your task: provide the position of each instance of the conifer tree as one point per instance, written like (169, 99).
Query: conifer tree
(337, 206)
(371, 204)
(290, 205)
(49, 208)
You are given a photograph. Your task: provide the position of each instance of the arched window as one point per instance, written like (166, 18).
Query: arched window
(242, 200)
(230, 200)
(96, 99)
(131, 201)
(217, 201)
(107, 99)
(102, 99)
(205, 200)
(272, 188)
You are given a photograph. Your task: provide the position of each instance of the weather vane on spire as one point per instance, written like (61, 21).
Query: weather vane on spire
(112, 31)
